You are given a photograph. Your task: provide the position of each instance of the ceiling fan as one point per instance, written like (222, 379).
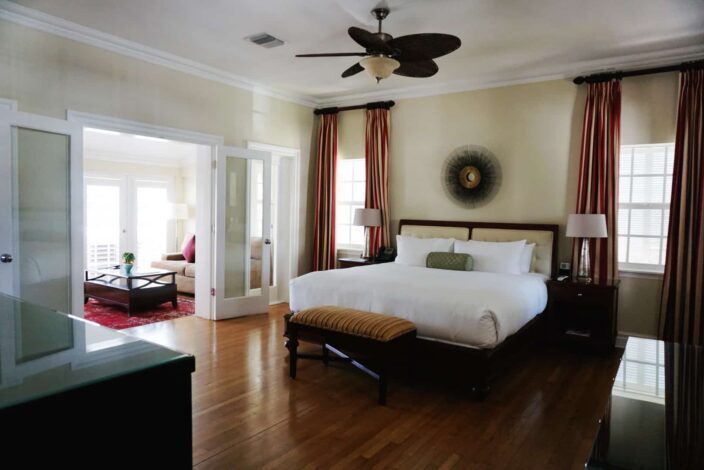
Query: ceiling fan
(409, 56)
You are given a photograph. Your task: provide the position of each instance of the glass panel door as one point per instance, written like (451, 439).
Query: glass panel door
(41, 198)
(243, 245)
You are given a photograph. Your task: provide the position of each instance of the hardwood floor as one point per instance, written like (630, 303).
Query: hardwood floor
(247, 413)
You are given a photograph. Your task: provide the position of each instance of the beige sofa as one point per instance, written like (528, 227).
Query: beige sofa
(186, 272)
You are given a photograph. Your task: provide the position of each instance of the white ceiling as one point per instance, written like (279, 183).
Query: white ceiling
(503, 41)
(129, 148)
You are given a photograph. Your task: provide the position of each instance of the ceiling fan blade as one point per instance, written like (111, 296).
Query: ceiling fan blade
(421, 69)
(424, 46)
(355, 69)
(369, 41)
(335, 54)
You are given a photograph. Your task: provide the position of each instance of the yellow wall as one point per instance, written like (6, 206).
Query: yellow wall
(47, 75)
(534, 130)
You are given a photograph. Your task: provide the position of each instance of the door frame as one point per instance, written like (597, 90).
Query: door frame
(75, 131)
(205, 226)
(295, 155)
(10, 105)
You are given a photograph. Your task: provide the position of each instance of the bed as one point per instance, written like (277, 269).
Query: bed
(467, 321)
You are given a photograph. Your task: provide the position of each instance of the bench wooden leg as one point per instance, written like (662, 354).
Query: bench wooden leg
(326, 354)
(292, 346)
(383, 387)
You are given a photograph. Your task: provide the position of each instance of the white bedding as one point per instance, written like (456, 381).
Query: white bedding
(475, 309)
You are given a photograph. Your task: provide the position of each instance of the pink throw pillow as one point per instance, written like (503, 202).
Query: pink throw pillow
(189, 251)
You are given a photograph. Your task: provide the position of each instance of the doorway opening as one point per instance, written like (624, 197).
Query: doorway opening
(141, 217)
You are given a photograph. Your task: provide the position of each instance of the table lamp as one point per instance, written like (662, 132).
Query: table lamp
(367, 218)
(586, 226)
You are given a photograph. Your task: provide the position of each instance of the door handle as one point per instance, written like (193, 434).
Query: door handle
(267, 241)
(5, 258)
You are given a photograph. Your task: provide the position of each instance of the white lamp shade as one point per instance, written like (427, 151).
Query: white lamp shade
(178, 211)
(380, 67)
(586, 226)
(367, 217)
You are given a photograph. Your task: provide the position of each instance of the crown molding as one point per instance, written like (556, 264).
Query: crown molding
(51, 24)
(569, 71)
(38, 20)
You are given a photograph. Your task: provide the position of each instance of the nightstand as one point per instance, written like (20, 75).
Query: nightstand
(583, 314)
(352, 262)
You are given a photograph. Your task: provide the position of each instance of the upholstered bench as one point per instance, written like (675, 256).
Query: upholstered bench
(382, 340)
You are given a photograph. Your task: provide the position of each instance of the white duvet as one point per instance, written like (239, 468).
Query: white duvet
(467, 308)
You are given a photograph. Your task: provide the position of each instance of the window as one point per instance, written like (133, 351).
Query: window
(645, 183)
(351, 189)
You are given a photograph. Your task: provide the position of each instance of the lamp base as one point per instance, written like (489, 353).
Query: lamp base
(584, 280)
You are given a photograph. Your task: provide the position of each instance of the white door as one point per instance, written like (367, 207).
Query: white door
(41, 201)
(242, 232)
(104, 221)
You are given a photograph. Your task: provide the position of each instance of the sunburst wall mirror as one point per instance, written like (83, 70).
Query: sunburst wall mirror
(471, 176)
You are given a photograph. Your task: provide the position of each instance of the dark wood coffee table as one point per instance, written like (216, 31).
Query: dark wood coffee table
(139, 289)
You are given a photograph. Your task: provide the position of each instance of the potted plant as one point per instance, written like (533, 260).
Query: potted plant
(127, 262)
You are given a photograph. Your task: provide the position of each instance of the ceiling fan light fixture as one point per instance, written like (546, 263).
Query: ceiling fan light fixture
(379, 66)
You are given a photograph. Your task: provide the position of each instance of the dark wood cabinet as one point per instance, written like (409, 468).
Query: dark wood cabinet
(583, 314)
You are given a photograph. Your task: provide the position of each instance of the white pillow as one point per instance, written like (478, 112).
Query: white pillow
(493, 257)
(413, 251)
(527, 257)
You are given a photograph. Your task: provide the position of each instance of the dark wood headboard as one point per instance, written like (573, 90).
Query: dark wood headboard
(492, 225)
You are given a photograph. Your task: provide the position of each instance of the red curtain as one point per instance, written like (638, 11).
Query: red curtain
(376, 152)
(682, 305)
(326, 171)
(597, 191)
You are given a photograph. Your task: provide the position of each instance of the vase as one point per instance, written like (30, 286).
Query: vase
(127, 268)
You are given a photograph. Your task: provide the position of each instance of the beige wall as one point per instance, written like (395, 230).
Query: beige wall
(48, 75)
(534, 130)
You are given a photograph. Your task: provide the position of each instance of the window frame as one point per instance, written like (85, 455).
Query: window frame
(663, 207)
(352, 204)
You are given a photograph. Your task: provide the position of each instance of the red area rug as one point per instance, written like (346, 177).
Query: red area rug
(116, 317)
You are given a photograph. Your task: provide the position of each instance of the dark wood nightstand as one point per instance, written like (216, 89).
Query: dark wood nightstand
(352, 262)
(584, 314)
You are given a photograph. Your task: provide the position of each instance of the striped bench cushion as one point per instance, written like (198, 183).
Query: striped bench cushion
(354, 322)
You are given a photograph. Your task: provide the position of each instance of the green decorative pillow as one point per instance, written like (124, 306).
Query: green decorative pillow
(451, 261)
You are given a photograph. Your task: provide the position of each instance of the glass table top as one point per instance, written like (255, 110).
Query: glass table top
(655, 417)
(137, 271)
(43, 352)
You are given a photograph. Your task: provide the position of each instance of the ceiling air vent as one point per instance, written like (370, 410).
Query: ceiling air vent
(265, 40)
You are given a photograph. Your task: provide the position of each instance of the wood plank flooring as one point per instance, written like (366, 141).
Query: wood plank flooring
(247, 413)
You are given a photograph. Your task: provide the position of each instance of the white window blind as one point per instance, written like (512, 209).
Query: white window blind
(351, 177)
(645, 183)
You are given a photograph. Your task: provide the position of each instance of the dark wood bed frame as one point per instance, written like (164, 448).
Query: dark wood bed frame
(476, 368)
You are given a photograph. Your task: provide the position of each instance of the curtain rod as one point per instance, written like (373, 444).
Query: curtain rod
(606, 76)
(375, 105)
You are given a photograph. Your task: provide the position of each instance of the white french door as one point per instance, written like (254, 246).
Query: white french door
(242, 235)
(105, 213)
(41, 197)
